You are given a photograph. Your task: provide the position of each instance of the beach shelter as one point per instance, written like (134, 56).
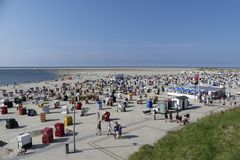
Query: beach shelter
(68, 120)
(4, 110)
(56, 104)
(99, 105)
(24, 140)
(17, 100)
(31, 112)
(47, 135)
(11, 123)
(106, 116)
(162, 107)
(46, 109)
(59, 129)
(109, 101)
(79, 105)
(181, 101)
(121, 107)
(65, 110)
(7, 103)
(23, 98)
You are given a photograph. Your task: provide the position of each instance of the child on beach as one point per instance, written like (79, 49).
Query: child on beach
(154, 114)
(170, 116)
(166, 117)
(99, 128)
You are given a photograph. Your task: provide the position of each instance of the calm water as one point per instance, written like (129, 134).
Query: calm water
(10, 76)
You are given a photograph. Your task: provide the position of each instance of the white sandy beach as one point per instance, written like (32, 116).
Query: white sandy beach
(139, 129)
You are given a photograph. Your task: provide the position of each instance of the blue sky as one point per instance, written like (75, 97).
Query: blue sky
(120, 32)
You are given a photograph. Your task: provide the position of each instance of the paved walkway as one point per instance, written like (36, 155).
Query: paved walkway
(89, 146)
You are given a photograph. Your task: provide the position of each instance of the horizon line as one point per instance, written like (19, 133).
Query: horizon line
(100, 67)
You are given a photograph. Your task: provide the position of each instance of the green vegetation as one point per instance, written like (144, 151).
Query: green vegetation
(216, 137)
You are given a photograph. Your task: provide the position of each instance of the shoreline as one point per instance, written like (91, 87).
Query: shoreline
(65, 72)
(84, 73)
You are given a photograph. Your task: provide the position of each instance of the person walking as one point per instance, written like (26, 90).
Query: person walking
(109, 128)
(116, 130)
(170, 116)
(99, 128)
(234, 101)
(177, 118)
(119, 131)
(98, 116)
(177, 108)
(154, 114)
(166, 116)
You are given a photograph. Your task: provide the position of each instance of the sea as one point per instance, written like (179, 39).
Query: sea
(16, 76)
(25, 75)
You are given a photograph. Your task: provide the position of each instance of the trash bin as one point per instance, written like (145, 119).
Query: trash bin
(149, 104)
(67, 148)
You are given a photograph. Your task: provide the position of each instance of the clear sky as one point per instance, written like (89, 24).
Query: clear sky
(120, 32)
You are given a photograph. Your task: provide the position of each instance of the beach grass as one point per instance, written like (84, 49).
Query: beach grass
(216, 137)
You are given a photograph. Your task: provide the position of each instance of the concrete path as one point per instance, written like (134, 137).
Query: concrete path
(139, 129)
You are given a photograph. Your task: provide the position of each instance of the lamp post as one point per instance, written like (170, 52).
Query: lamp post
(74, 140)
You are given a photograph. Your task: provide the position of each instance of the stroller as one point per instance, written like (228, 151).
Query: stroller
(84, 111)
